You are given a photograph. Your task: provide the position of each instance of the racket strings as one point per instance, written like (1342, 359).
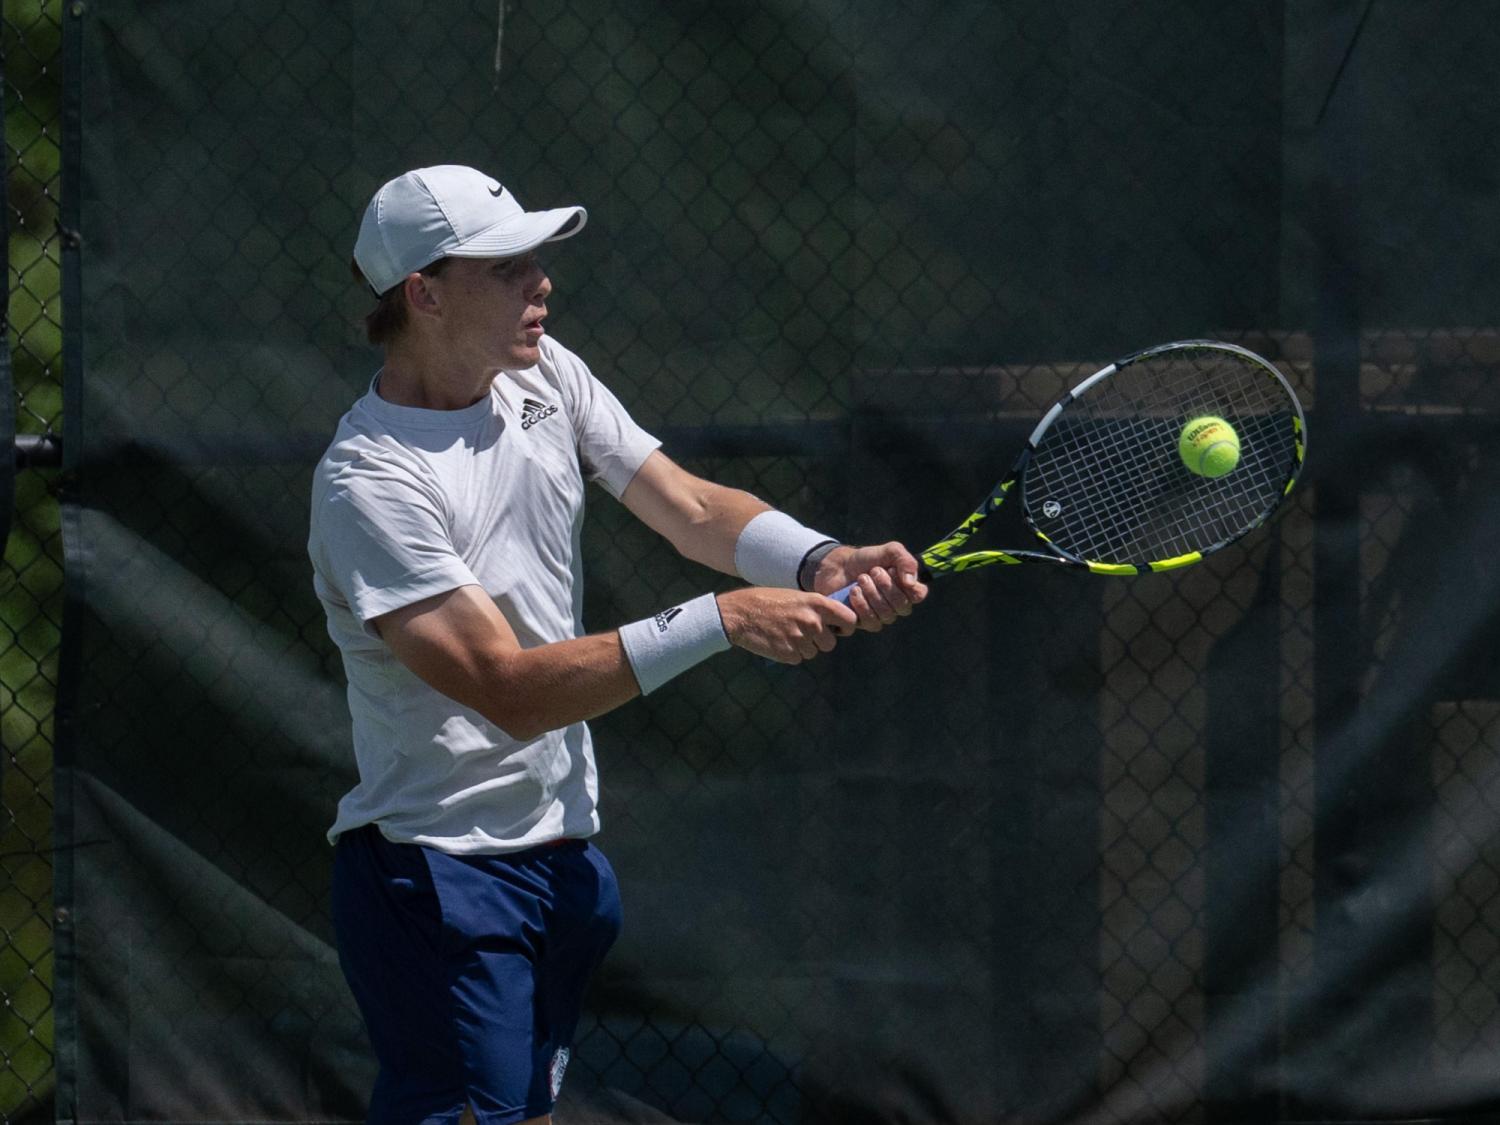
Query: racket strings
(1107, 484)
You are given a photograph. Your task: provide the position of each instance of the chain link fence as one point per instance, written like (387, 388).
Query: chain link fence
(1211, 846)
(31, 577)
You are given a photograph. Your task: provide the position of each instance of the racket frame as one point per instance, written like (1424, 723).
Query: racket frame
(943, 558)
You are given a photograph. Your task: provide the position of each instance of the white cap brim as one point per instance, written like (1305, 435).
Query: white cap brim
(510, 238)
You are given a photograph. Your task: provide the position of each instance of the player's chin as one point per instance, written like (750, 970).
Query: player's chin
(523, 355)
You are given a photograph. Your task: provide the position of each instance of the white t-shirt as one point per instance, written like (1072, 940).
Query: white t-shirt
(410, 503)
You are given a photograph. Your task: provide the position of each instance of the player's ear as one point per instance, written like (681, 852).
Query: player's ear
(420, 295)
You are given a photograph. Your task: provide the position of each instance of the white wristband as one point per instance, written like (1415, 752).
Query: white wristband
(670, 643)
(771, 547)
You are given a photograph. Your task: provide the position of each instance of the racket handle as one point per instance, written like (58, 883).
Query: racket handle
(842, 596)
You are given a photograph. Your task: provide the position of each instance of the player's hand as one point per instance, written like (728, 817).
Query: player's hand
(787, 626)
(886, 583)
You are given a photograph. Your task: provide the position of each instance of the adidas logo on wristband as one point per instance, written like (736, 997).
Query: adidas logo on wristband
(668, 643)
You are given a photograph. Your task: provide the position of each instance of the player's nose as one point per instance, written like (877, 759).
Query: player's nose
(542, 285)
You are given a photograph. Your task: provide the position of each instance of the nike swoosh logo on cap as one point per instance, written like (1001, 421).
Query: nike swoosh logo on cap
(497, 192)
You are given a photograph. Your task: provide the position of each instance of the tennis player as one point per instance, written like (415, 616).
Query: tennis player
(469, 905)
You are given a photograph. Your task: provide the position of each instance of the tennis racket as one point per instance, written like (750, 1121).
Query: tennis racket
(1104, 480)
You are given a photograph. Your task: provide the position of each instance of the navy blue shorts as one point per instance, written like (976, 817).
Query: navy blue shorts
(469, 971)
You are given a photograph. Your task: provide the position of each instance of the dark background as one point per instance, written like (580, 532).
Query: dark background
(1220, 845)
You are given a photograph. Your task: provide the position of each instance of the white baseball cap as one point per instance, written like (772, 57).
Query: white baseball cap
(449, 211)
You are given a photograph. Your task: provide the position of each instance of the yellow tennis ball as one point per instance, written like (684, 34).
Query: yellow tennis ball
(1209, 446)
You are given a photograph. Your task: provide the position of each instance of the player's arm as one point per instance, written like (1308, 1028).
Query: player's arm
(708, 522)
(459, 643)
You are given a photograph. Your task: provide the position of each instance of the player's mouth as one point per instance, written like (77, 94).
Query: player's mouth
(533, 328)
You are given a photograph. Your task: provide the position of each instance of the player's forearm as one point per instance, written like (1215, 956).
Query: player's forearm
(712, 525)
(557, 684)
(459, 644)
(527, 692)
(701, 519)
(711, 530)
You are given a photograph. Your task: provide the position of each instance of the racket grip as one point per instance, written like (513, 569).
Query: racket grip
(842, 596)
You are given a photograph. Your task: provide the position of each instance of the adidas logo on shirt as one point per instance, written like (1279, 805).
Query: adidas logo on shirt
(664, 618)
(533, 412)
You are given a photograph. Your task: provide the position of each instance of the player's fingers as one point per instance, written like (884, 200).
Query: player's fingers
(841, 619)
(883, 594)
(787, 649)
(916, 589)
(908, 571)
(899, 560)
(895, 593)
(868, 618)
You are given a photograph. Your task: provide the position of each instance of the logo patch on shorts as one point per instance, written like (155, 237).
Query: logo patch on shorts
(558, 1068)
